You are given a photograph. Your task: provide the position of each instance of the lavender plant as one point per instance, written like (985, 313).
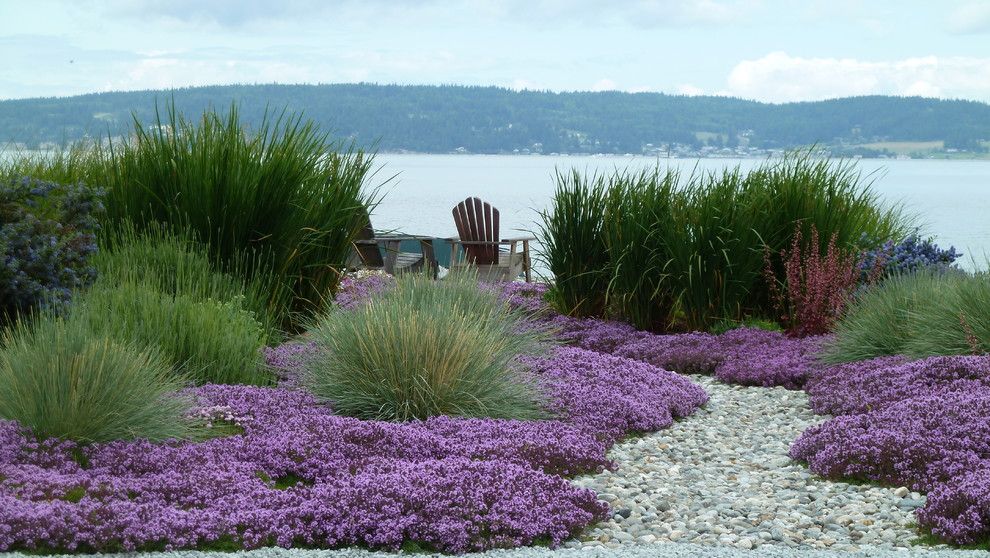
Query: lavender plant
(47, 236)
(907, 256)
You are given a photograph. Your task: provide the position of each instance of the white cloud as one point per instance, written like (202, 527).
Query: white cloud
(689, 90)
(604, 85)
(779, 77)
(520, 84)
(169, 72)
(972, 17)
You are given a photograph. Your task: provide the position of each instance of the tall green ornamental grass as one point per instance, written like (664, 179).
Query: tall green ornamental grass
(919, 314)
(425, 349)
(635, 230)
(686, 252)
(575, 249)
(284, 190)
(59, 379)
(284, 198)
(207, 341)
(177, 264)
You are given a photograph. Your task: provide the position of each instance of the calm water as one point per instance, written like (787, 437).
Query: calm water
(952, 198)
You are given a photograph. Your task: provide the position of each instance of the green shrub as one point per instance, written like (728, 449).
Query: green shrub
(687, 252)
(177, 264)
(919, 314)
(47, 241)
(423, 349)
(59, 379)
(208, 341)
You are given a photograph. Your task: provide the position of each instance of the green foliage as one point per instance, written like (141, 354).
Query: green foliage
(66, 166)
(60, 379)
(424, 349)
(636, 228)
(208, 341)
(685, 253)
(177, 264)
(919, 314)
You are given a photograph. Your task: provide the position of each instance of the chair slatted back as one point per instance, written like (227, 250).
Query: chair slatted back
(368, 251)
(477, 221)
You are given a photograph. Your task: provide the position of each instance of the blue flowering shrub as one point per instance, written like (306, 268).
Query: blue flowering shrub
(47, 235)
(907, 256)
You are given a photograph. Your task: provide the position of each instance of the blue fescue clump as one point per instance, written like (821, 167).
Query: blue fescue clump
(907, 256)
(47, 235)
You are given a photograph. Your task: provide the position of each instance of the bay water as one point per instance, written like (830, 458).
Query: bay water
(950, 198)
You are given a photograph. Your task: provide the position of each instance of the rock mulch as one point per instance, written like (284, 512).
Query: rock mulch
(722, 477)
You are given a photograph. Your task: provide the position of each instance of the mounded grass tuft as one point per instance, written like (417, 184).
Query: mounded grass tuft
(427, 348)
(926, 313)
(60, 379)
(178, 264)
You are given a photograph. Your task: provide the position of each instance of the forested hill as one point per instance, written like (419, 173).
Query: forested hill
(494, 120)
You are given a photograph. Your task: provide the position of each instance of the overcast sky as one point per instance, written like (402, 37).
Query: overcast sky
(769, 50)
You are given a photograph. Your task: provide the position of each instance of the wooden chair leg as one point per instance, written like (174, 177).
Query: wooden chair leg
(391, 255)
(526, 262)
(429, 257)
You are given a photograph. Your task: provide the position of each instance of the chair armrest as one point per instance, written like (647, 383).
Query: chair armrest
(482, 242)
(519, 239)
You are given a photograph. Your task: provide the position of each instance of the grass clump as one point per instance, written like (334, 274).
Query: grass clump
(668, 252)
(424, 349)
(60, 379)
(926, 313)
(178, 264)
(206, 341)
(574, 247)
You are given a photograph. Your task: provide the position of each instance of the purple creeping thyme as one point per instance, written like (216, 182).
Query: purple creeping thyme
(918, 442)
(863, 386)
(754, 357)
(357, 288)
(640, 397)
(298, 475)
(528, 297)
(959, 511)
(744, 356)
(687, 353)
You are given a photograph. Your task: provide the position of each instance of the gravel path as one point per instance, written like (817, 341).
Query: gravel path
(722, 477)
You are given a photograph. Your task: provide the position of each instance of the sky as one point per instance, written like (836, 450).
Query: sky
(767, 50)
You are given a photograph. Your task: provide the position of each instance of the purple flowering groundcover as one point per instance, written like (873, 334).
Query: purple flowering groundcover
(300, 476)
(924, 424)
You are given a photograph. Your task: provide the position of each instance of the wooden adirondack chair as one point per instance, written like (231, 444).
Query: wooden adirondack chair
(480, 248)
(368, 250)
